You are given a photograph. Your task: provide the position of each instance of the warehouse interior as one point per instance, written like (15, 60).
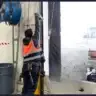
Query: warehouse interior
(67, 38)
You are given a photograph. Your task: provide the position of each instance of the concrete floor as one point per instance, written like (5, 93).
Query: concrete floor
(46, 86)
(68, 87)
(73, 87)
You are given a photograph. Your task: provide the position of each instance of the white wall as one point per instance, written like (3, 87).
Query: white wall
(6, 34)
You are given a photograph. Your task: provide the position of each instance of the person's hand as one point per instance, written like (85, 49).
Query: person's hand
(42, 59)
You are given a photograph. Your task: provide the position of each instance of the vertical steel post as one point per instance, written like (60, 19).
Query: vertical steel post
(17, 53)
(41, 41)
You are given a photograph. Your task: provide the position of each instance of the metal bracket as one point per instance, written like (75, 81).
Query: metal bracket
(29, 25)
(14, 62)
(15, 39)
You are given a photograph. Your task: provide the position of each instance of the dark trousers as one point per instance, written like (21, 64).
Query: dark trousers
(29, 88)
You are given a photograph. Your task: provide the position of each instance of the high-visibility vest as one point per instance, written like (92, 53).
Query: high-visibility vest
(31, 53)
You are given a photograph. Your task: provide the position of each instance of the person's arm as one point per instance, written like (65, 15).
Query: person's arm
(37, 30)
(35, 43)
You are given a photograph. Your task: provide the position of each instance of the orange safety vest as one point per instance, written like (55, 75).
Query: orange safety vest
(30, 52)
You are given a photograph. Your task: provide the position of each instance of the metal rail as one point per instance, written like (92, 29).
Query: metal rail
(17, 54)
(15, 62)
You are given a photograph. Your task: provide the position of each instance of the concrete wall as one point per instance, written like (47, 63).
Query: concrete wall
(6, 34)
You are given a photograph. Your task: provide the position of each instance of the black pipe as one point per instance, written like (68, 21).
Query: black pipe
(42, 65)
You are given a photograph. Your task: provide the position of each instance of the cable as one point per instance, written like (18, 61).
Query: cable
(28, 13)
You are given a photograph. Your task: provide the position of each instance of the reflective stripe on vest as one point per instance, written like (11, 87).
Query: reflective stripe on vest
(33, 58)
